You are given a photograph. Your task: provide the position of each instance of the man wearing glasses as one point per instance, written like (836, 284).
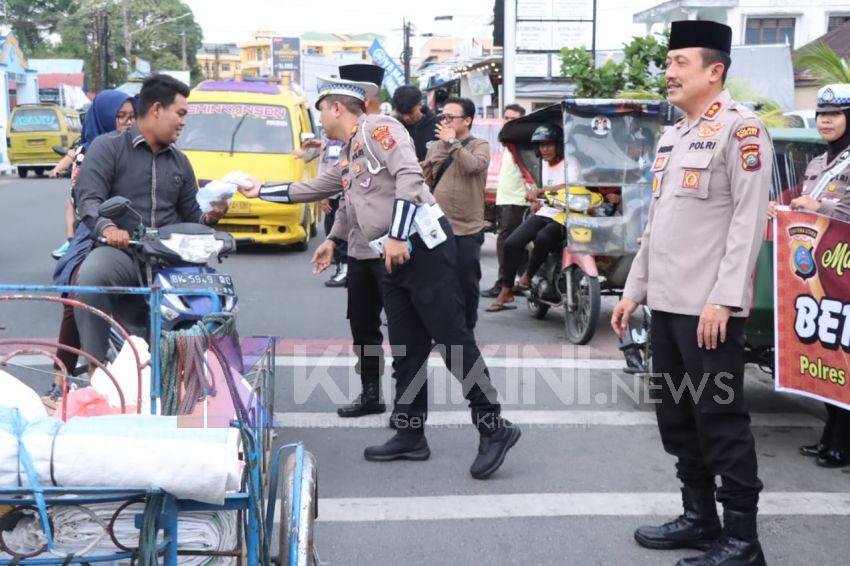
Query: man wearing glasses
(456, 170)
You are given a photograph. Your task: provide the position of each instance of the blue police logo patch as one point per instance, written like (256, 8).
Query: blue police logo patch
(804, 262)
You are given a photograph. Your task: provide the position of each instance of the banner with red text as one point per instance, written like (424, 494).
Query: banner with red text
(812, 306)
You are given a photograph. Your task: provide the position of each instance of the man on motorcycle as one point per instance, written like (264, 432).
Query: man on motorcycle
(542, 227)
(143, 165)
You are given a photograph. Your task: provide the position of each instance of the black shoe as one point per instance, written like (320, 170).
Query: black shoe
(698, 527)
(402, 446)
(634, 360)
(833, 459)
(367, 403)
(492, 448)
(739, 545)
(393, 424)
(814, 450)
(492, 292)
(340, 277)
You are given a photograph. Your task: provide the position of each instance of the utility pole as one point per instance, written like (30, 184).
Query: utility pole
(183, 41)
(406, 54)
(128, 38)
(105, 49)
(509, 54)
(216, 64)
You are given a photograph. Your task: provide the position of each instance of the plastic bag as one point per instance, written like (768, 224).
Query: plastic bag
(86, 402)
(215, 191)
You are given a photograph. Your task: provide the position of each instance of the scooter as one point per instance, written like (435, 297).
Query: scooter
(176, 257)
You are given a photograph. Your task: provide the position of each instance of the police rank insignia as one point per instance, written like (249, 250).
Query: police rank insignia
(751, 157)
(713, 110)
(355, 146)
(660, 162)
(708, 130)
(746, 132)
(691, 179)
(358, 168)
(382, 135)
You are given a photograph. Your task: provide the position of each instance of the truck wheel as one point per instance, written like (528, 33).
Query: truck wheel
(22, 172)
(39, 171)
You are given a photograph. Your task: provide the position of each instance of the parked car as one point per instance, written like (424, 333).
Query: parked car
(800, 119)
(34, 130)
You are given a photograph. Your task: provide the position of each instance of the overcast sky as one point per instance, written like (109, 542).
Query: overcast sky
(236, 20)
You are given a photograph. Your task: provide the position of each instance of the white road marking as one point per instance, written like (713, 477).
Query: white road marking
(576, 418)
(454, 507)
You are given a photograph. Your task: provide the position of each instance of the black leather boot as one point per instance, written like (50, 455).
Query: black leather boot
(698, 527)
(494, 443)
(833, 459)
(634, 360)
(405, 445)
(367, 403)
(739, 545)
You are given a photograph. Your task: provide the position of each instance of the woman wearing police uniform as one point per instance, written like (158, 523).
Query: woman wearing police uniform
(827, 191)
(711, 185)
(387, 204)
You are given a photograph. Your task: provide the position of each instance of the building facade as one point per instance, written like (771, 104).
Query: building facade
(755, 22)
(220, 61)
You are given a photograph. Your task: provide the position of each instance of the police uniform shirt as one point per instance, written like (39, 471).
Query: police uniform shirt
(835, 196)
(711, 184)
(381, 180)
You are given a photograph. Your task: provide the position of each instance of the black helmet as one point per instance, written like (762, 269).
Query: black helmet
(546, 133)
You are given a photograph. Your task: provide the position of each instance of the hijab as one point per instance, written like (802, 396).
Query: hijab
(100, 117)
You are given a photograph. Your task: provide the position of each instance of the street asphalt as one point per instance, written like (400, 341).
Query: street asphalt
(587, 471)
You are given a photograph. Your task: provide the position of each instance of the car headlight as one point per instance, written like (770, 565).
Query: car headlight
(579, 203)
(194, 248)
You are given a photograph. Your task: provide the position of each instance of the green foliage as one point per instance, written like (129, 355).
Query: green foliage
(824, 63)
(640, 71)
(161, 45)
(768, 110)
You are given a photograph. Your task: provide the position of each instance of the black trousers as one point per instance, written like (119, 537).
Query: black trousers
(365, 302)
(547, 235)
(341, 249)
(510, 219)
(423, 301)
(469, 273)
(836, 431)
(706, 427)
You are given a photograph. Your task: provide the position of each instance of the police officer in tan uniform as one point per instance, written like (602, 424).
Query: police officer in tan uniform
(826, 190)
(384, 191)
(712, 174)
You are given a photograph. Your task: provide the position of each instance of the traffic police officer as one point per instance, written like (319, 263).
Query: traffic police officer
(711, 185)
(384, 190)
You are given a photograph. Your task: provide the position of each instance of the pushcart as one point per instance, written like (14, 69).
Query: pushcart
(274, 482)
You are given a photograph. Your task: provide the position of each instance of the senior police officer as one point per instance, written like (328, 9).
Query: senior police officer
(386, 202)
(711, 183)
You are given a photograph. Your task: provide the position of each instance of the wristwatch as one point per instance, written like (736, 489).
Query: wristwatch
(451, 140)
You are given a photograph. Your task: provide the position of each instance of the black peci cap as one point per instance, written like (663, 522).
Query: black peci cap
(700, 33)
(363, 73)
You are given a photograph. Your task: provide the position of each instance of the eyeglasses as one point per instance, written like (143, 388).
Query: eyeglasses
(124, 117)
(449, 117)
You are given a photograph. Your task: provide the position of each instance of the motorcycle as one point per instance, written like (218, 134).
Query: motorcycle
(176, 257)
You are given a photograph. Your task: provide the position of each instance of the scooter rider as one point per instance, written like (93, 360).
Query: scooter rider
(142, 164)
(384, 194)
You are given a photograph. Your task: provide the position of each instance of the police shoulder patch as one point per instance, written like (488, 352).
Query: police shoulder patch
(746, 132)
(751, 157)
(384, 137)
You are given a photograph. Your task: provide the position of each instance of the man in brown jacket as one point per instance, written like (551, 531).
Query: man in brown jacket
(712, 174)
(456, 170)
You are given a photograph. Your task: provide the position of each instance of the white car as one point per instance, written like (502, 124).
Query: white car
(801, 119)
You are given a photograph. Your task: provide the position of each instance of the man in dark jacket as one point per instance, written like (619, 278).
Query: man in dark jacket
(417, 118)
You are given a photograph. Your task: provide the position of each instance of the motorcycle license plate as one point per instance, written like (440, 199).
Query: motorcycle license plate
(218, 283)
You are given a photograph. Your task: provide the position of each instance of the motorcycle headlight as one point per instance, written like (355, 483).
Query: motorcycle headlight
(579, 203)
(194, 248)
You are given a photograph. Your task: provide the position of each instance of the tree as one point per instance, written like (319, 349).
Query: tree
(824, 64)
(640, 70)
(72, 21)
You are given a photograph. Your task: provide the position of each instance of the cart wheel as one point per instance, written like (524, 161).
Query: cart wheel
(309, 509)
(581, 309)
(536, 309)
